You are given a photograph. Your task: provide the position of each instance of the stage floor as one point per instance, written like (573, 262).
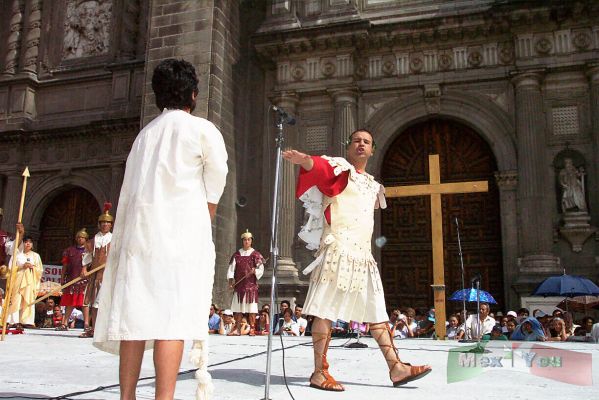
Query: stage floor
(45, 364)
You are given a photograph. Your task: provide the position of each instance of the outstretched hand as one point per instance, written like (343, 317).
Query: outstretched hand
(299, 158)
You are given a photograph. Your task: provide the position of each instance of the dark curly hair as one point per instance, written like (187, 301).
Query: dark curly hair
(174, 82)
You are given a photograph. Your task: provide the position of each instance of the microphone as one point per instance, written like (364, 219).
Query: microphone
(284, 115)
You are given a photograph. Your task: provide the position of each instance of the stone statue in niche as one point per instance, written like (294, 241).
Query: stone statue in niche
(87, 28)
(571, 180)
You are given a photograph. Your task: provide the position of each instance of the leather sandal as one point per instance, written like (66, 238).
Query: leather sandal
(416, 371)
(87, 333)
(329, 383)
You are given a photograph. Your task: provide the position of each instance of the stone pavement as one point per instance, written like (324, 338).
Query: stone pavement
(46, 364)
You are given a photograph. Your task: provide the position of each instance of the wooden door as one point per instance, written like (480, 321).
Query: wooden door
(66, 214)
(406, 268)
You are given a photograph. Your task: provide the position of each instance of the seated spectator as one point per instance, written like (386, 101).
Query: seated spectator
(586, 325)
(289, 327)
(511, 327)
(557, 331)
(339, 328)
(285, 304)
(425, 324)
(405, 326)
(213, 320)
(497, 334)
(529, 330)
(242, 326)
(227, 324)
(57, 316)
(568, 320)
(512, 315)
(393, 317)
(543, 318)
(595, 333)
(453, 327)
(301, 321)
(476, 329)
(263, 323)
(76, 319)
(522, 314)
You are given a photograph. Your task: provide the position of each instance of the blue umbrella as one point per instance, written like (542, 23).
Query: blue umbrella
(470, 295)
(566, 285)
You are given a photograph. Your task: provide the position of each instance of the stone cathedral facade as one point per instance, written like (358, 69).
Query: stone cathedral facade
(504, 91)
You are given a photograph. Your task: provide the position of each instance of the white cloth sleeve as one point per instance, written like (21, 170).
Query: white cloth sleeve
(311, 232)
(214, 158)
(259, 271)
(231, 270)
(381, 202)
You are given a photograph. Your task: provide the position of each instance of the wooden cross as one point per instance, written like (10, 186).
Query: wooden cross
(435, 189)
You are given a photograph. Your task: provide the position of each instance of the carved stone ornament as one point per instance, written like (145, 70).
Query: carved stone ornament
(416, 63)
(506, 53)
(543, 46)
(298, 72)
(577, 229)
(361, 70)
(388, 68)
(328, 69)
(445, 61)
(87, 28)
(581, 40)
(475, 58)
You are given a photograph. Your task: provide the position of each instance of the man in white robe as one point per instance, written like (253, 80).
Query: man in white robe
(162, 255)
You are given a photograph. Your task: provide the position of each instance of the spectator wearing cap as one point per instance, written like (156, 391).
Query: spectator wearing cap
(510, 327)
(227, 324)
(544, 319)
(496, 334)
(213, 319)
(425, 323)
(511, 315)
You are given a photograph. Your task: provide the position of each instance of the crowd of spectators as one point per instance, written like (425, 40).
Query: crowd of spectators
(559, 326)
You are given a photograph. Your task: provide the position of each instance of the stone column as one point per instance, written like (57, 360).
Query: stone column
(286, 229)
(507, 182)
(12, 198)
(11, 60)
(534, 204)
(117, 172)
(34, 24)
(346, 117)
(593, 74)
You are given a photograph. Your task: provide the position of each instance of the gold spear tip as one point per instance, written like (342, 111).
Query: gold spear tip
(26, 172)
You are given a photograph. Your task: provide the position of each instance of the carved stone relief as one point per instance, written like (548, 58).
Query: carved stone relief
(87, 28)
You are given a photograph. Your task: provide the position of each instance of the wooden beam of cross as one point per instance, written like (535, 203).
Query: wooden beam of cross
(435, 189)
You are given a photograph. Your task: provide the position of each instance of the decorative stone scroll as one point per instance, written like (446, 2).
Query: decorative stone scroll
(87, 28)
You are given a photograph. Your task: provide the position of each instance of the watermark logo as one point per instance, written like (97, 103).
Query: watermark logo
(566, 366)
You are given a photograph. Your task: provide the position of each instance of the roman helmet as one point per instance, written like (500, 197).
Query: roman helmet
(106, 216)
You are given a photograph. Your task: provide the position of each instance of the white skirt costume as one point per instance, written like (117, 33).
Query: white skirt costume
(345, 282)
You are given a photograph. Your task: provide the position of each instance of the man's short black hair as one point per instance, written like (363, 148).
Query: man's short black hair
(174, 82)
(286, 302)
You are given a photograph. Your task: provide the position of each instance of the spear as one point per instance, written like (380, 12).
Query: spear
(66, 285)
(10, 283)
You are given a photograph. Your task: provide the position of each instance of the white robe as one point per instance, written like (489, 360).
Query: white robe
(160, 270)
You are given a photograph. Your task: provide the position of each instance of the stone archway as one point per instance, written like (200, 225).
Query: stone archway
(406, 259)
(67, 212)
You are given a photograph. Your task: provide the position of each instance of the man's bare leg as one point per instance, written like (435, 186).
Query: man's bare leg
(85, 310)
(131, 355)
(321, 335)
(167, 360)
(94, 314)
(67, 315)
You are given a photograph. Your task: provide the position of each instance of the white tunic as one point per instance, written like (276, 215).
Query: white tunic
(160, 270)
(345, 283)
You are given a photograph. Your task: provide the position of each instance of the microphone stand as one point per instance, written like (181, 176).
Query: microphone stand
(274, 249)
(457, 227)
